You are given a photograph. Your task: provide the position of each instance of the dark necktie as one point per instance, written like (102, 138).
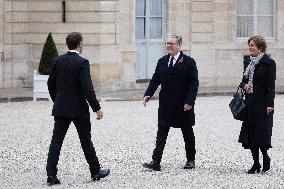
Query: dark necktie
(171, 66)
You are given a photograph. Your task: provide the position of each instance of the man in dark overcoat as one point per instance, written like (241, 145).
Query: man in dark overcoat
(178, 76)
(70, 87)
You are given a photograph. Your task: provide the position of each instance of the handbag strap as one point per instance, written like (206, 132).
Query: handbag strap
(242, 91)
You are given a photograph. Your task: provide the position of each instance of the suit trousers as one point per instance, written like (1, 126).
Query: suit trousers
(162, 134)
(61, 125)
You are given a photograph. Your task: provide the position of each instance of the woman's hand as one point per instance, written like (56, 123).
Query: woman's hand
(187, 107)
(269, 110)
(247, 88)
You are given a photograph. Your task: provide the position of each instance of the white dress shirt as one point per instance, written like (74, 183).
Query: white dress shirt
(74, 51)
(175, 59)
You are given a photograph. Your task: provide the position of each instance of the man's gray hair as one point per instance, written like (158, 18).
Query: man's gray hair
(177, 37)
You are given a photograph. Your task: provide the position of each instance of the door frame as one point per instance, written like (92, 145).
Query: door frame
(147, 40)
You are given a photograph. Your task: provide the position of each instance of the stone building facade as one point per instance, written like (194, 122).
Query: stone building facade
(124, 38)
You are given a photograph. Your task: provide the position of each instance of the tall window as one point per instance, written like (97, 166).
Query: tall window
(148, 19)
(256, 17)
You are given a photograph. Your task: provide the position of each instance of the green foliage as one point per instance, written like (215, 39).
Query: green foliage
(49, 52)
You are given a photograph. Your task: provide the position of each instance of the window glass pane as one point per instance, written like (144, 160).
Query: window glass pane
(155, 30)
(244, 26)
(140, 28)
(265, 7)
(140, 7)
(265, 26)
(244, 7)
(155, 7)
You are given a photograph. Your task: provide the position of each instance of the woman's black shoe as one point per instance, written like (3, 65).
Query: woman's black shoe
(266, 164)
(254, 168)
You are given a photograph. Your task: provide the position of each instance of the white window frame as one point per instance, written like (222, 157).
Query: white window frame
(255, 15)
(147, 17)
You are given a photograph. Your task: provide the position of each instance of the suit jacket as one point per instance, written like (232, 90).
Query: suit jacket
(70, 87)
(178, 87)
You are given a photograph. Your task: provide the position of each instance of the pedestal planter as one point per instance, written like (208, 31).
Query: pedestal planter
(40, 90)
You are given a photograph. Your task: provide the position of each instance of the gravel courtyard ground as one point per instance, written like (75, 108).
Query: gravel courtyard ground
(125, 138)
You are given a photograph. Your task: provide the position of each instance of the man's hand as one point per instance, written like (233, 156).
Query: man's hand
(145, 100)
(269, 110)
(187, 107)
(100, 115)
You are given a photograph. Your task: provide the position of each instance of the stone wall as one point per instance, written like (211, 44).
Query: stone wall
(219, 54)
(27, 23)
(1, 43)
(207, 26)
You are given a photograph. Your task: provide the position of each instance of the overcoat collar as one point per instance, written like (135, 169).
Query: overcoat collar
(265, 59)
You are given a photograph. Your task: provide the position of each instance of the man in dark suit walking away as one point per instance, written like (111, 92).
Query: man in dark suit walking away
(178, 76)
(70, 87)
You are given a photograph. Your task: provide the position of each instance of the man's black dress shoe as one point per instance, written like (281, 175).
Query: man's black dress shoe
(101, 174)
(152, 165)
(189, 164)
(52, 180)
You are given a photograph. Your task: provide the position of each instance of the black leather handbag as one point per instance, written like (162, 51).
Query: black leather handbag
(238, 106)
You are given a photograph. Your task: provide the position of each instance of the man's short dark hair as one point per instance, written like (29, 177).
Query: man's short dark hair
(73, 40)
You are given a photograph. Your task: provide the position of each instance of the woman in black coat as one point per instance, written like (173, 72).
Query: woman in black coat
(259, 85)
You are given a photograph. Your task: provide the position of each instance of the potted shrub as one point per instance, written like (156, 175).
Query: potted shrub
(49, 52)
